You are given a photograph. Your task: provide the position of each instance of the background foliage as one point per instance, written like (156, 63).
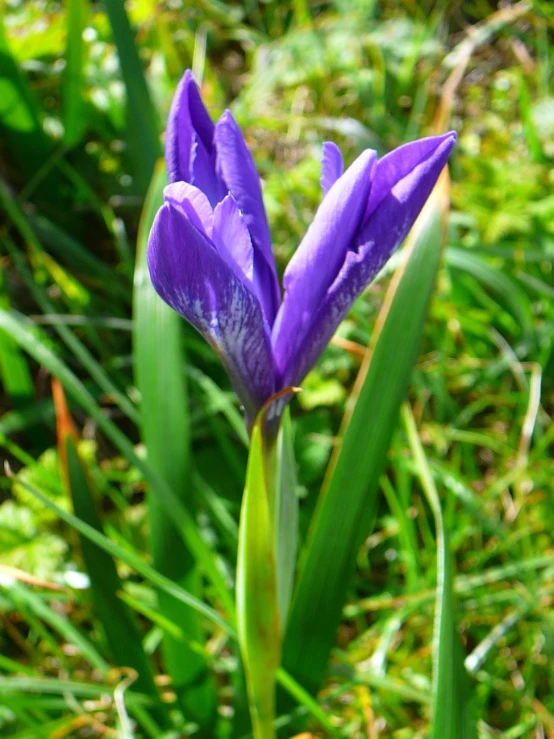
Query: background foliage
(79, 137)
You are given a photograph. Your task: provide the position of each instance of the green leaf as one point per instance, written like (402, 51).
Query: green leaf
(72, 93)
(452, 711)
(22, 133)
(14, 371)
(257, 600)
(286, 516)
(160, 378)
(514, 298)
(77, 347)
(132, 560)
(142, 124)
(63, 626)
(122, 634)
(25, 338)
(136, 563)
(347, 505)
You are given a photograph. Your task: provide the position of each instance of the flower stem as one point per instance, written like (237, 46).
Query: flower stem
(263, 711)
(257, 598)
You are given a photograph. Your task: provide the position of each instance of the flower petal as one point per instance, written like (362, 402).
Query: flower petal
(394, 167)
(383, 232)
(203, 174)
(314, 266)
(236, 168)
(186, 117)
(232, 239)
(188, 273)
(194, 204)
(332, 166)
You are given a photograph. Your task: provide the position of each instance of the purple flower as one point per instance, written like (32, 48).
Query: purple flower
(210, 253)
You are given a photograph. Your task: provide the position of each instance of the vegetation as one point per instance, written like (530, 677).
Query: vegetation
(140, 427)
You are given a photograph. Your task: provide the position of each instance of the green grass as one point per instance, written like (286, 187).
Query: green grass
(466, 483)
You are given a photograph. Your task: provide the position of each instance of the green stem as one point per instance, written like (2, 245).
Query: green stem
(263, 711)
(257, 599)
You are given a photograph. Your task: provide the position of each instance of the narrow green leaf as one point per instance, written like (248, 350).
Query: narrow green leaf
(77, 347)
(142, 124)
(347, 504)
(63, 626)
(53, 686)
(74, 255)
(513, 297)
(452, 716)
(286, 516)
(131, 559)
(119, 624)
(257, 601)
(15, 326)
(160, 377)
(22, 133)
(72, 93)
(134, 561)
(14, 371)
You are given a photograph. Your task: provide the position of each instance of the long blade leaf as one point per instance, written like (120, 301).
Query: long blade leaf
(120, 627)
(452, 716)
(25, 338)
(142, 121)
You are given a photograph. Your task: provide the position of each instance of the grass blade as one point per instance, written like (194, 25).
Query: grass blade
(14, 371)
(25, 338)
(122, 634)
(93, 367)
(292, 687)
(22, 133)
(62, 625)
(142, 124)
(348, 501)
(73, 108)
(132, 560)
(452, 716)
(160, 378)
(513, 297)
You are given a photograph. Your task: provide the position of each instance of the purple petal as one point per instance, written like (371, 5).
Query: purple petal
(194, 204)
(188, 273)
(391, 170)
(332, 166)
(186, 117)
(203, 174)
(316, 263)
(232, 239)
(236, 168)
(382, 233)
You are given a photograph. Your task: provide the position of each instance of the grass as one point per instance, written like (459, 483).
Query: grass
(470, 457)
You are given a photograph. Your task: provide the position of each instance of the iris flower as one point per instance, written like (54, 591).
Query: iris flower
(210, 255)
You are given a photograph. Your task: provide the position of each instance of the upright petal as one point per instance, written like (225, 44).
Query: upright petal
(236, 168)
(188, 273)
(232, 239)
(382, 233)
(194, 204)
(314, 266)
(186, 117)
(203, 174)
(395, 166)
(332, 166)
